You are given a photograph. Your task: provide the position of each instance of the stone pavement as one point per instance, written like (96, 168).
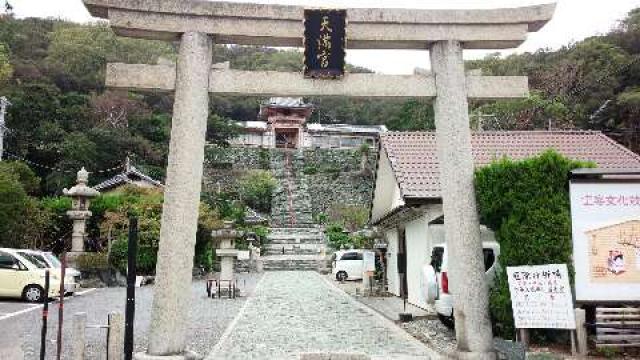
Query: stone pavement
(296, 312)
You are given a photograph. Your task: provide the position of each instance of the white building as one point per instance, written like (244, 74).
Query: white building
(407, 204)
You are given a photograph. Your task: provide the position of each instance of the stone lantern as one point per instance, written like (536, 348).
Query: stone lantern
(81, 196)
(225, 242)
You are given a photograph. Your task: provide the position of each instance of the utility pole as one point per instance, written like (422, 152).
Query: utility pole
(4, 103)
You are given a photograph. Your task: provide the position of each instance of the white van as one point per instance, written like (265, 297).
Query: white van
(348, 264)
(21, 278)
(436, 280)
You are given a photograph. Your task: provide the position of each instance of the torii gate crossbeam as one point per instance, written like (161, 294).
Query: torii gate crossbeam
(197, 24)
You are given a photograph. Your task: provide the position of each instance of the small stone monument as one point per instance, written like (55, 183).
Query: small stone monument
(80, 195)
(225, 241)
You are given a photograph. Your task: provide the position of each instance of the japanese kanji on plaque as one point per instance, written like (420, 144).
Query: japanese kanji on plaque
(541, 297)
(324, 43)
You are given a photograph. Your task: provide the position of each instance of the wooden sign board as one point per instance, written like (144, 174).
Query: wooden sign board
(325, 37)
(541, 297)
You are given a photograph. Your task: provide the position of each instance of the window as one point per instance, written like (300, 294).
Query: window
(436, 258)
(7, 261)
(35, 260)
(351, 256)
(489, 258)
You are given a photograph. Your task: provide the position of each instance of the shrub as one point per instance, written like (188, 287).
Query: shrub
(526, 203)
(256, 189)
(310, 169)
(93, 261)
(351, 217)
(337, 237)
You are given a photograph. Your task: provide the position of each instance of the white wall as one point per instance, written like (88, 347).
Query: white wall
(387, 195)
(418, 254)
(393, 278)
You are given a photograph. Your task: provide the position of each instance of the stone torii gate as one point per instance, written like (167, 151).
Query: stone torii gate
(197, 24)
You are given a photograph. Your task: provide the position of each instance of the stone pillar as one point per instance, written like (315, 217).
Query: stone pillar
(115, 336)
(170, 310)
(78, 336)
(462, 229)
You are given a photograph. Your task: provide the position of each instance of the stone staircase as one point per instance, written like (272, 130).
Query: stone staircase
(291, 203)
(294, 249)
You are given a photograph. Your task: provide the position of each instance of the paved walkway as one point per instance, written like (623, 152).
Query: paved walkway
(300, 312)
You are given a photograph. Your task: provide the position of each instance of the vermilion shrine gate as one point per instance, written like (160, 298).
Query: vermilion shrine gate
(197, 24)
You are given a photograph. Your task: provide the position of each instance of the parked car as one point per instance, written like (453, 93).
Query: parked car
(22, 278)
(436, 280)
(348, 264)
(71, 275)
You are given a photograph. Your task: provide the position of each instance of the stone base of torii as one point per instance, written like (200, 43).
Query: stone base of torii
(196, 23)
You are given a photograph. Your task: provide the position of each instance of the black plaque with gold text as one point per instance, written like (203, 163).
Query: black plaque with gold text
(325, 38)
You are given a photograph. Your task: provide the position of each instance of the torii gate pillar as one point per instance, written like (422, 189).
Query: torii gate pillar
(172, 297)
(462, 228)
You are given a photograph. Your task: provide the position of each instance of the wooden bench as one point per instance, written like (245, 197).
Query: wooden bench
(617, 327)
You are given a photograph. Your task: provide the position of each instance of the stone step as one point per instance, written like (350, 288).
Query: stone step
(298, 262)
(293, 249)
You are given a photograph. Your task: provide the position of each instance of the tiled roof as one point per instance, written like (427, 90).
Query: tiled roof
(414, 158)
(346, 128)
(130, 175)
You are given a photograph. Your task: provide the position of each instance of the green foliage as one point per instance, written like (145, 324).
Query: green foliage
(310, 169)
(256, 189)
(350, 217)
(337, 237)
(23, 220)
(6, 69)
(526, 203)
(147, 206)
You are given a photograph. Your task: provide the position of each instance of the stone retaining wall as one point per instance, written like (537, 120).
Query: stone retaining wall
(332, 176)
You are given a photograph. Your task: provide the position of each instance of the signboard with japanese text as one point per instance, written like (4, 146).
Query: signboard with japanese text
(325, 39)
(541, 297)
(605, 219)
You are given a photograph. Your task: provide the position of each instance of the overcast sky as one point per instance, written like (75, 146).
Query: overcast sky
(574, 20)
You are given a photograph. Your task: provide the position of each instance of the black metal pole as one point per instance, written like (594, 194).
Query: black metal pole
(45, 315)
(61, 305)
(131, 288)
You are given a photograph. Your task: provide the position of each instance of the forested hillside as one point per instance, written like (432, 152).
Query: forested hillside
(63, 118)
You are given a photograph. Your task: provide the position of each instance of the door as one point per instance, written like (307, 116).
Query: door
(9, 279)
(402, 262)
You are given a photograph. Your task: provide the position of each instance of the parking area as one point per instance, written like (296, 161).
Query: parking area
(10, 308)
(21, 322)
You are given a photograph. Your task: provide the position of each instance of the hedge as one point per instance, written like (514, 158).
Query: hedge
(526, 203)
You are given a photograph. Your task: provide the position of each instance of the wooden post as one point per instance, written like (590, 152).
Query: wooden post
(581, 333)
(78, 336)
(523, 336)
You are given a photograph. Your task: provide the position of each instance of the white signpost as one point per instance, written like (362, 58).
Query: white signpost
(541, 297)
(605, 217)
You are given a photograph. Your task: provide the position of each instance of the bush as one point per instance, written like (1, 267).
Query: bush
(93, 261)
(351, 217)
(526, 203)
(145, 260)
(256, 189)
(337, 237)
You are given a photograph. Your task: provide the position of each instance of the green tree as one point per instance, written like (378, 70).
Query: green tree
(6, 69)
(256, 189)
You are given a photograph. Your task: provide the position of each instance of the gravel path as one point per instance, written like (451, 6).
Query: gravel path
(209, 318)
(296, 312)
